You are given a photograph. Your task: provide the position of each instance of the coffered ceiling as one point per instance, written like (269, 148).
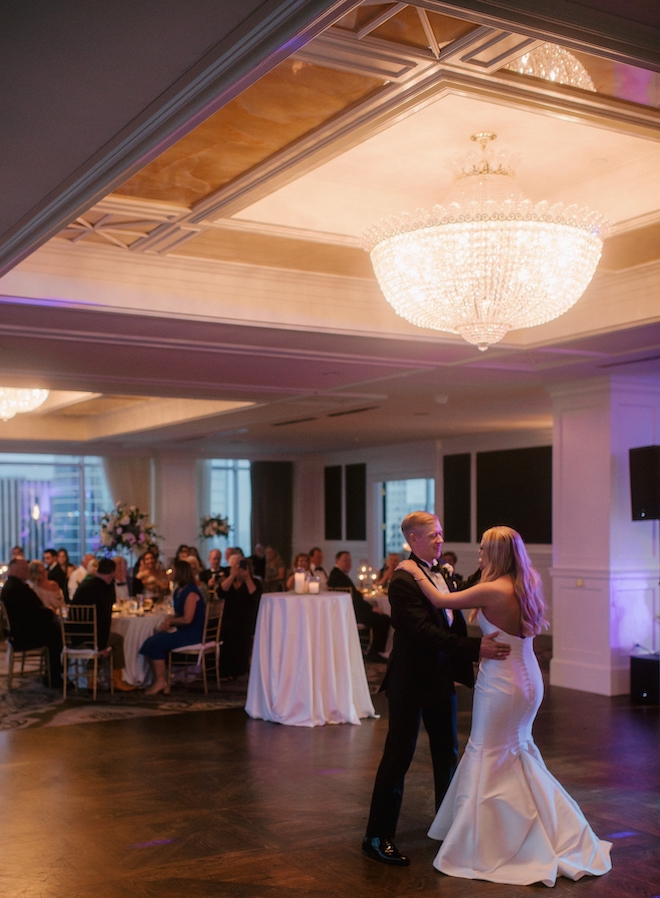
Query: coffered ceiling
(218, 300)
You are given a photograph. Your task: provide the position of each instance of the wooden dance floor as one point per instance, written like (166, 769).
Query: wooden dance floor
(213, 803)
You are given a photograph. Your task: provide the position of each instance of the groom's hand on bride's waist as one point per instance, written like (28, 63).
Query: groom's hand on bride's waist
(492, 650)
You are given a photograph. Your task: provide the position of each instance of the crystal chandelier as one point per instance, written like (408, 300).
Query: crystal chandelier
(13, 401)
(552, 63)
(489, 260)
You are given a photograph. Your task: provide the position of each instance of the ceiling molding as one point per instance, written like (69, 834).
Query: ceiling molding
(575, 25)
(172, 344)
(635, 224)
(274, 230)
(487, 49)
(343, 50)
(377, 113)
(165, 238)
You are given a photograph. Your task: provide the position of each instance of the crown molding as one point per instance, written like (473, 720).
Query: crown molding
(396, 100)
(575, 25)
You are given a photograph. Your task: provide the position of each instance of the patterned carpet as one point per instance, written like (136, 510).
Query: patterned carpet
(30, 704)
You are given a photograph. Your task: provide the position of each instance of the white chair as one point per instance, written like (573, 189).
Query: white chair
(40, 653)
(194, 656)
(81, 646)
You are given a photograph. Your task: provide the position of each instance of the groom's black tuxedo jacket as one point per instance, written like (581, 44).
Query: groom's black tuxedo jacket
(427, 655)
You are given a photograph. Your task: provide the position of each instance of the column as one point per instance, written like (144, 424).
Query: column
(605, 565)
(176, 501)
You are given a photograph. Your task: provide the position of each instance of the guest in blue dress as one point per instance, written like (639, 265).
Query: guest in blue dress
(188, 619)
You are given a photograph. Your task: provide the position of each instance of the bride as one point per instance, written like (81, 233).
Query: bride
(505, 818)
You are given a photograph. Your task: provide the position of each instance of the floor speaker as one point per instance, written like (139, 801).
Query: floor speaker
(645, 679)
(645, 483)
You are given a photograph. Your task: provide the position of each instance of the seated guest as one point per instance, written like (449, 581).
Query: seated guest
(53, 569)
(193, 553)
(316, 567)
(300, 563)
(196, 569)
(150, 578)
(214, 573)
(187, 621)
(241, 594)
(258, 561)
(121, 578)
(32, 625)
(134, 586)
(365, 614)
(387, 570)
(274, 574)
(78, 574)
(181, 553)
(48, 591)
(99, 590)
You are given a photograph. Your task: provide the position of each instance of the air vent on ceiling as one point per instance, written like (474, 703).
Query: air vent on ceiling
(353, 411)
(295, 421)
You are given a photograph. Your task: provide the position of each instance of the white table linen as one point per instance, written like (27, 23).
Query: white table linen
(135, 629)
(307, 667)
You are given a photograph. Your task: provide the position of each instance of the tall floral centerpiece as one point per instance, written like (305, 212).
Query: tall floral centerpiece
(125, 529)
(213, 525)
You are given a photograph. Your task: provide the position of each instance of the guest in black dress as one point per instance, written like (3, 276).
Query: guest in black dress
(241, 593)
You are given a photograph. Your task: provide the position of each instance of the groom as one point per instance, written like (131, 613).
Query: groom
(431, 650)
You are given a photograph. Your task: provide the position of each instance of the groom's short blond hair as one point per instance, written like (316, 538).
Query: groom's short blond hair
(415, 520)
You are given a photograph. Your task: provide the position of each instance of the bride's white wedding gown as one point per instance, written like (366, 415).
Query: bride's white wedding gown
(505, 818)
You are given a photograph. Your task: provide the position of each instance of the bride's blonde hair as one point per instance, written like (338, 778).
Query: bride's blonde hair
(505, 553)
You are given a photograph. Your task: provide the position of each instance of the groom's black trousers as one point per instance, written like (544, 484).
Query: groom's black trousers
(404, 720)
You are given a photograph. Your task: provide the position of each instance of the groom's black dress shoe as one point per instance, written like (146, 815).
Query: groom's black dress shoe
(384, 850)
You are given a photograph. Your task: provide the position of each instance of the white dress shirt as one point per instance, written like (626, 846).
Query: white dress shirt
(441, 585)
(321, 574)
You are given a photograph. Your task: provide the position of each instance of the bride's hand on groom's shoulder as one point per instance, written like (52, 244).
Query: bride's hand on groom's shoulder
(494, 651)
(408, 566)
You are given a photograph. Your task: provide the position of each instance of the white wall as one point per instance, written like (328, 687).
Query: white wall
(383, 463)
(420, 459)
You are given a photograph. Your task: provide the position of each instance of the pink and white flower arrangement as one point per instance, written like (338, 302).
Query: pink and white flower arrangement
(126, 527)
(214, 525)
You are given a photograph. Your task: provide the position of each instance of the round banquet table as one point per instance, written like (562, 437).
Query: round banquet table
(307, 667)
(135, 629)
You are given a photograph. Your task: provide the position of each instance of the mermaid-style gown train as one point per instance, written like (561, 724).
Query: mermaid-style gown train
(505, 818)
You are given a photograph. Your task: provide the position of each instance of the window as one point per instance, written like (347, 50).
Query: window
(400, 497)
(51, 500)
(230, 495)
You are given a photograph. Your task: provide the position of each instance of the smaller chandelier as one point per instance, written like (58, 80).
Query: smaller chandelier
(489, 260)
(14, 401)
(552, 63)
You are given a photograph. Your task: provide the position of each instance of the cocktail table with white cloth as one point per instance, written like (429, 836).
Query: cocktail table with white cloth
(135, 628)
(307, 667)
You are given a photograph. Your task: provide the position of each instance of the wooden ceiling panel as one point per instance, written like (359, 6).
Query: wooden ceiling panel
(277, 252)
(406, 28)
(287, 103)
